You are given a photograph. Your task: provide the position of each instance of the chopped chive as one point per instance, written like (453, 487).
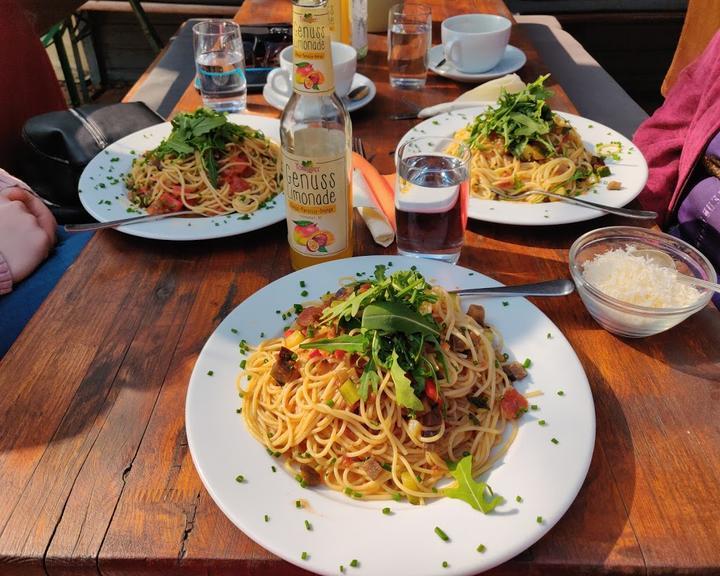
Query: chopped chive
(238, 411)
(518, 499)
(273, 468)
(439, 531)
(481, 548)
(549, 336)
(386, 466)
(304, 555)
(534, 407)
(386, 511)
(302, 284)
(342, 569)
(304, 293)
(348, 491)
(354, 563)
(330, 403)
(298, 504)
(445, 564)
(243, 364)
(234, 330)
(539, 519)
(267, 518)
(240, 478)
(560, 393)
(397, 497)
(210, 372)
(262, 334)
(297, 308)
(555, 441)
(527, 363)
(308, 526)
(506, 303)
(542, 422)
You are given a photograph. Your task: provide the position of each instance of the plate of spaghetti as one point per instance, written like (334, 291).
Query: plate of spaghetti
(358, 414)
(221, 170)
(519, 145)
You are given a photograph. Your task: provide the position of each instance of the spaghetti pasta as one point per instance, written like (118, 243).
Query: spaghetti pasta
(521, 146)
(398, 435)
(206, 165)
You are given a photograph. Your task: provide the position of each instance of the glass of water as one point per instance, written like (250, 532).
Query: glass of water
(409, 40)
(431, 197)
(220, 65)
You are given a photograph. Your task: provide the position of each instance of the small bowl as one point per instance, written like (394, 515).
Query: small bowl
(623, 318)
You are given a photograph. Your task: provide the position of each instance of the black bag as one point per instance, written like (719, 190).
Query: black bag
(60, 144)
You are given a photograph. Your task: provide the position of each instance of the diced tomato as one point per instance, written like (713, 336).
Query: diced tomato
(288, 332)
(339, 354)
(165, 203)
(235, 176)
(513, 404)
(316, 354)
(309, 315)
(363, 288)
(431, 392)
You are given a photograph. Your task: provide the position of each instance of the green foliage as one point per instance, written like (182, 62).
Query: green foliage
(477, 494)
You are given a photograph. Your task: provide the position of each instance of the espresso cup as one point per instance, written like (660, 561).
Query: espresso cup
(475, 43)
(344, 64)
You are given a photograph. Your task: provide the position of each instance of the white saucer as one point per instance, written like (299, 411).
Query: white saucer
(513, 60)
(278, 100)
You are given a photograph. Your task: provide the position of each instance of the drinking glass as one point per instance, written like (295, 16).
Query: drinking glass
(220, 65)
(431, 196)
(409, 39)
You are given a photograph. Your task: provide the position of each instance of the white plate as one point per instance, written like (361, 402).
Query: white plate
(631, 170)
(104, 196)
(547, 476)
(278, 100)
(512, 61)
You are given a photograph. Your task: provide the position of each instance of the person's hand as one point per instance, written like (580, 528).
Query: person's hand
(27, 231)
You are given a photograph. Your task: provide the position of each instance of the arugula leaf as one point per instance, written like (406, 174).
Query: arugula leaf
(369, 378)
(478, 494)
(397, 317)
(521, 119)
(404, 393)
(355, 343)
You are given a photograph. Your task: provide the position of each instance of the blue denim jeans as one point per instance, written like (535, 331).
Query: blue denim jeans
(17, 308)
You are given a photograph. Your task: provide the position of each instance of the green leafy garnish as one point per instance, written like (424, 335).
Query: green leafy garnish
(404, 393)
(520, 119)
(206, 132)
(478, 494)
(397, 317)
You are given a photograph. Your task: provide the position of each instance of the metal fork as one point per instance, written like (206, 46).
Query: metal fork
(358, 147)
(627, 212)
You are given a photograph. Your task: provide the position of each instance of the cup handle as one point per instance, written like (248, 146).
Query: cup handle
(280, 82)
(451, 50)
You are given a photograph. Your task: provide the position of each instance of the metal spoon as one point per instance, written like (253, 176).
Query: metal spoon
(358, 93)
(665, 261)
(561, 287)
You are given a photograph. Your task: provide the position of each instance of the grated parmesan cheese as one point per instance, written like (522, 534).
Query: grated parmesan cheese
(638, 280)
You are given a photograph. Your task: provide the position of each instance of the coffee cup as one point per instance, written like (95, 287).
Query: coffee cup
(475, 43)
(344, 64)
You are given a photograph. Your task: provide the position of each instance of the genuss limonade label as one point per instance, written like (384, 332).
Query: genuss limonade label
(312, 57)
(316, 197)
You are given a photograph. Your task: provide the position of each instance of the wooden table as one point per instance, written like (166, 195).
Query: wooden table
(95, 475)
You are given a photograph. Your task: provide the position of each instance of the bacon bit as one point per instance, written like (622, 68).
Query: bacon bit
(309, 315)
(372, 468)
(284, 369)
(477, 313)
(513, 404)
(514, 371)
(310, 475)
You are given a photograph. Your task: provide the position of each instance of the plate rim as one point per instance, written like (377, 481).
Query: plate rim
(141, 230)
(530, 538)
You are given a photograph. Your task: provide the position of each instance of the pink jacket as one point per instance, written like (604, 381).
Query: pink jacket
(674, 138)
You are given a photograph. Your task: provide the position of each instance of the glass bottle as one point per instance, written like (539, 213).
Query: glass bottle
(315, 137)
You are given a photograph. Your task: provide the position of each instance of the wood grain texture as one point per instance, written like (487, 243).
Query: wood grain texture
(95, 474)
